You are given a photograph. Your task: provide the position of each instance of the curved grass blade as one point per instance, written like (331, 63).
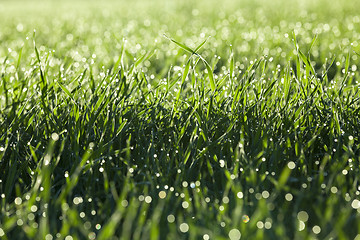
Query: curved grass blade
(186, 48)
(231, 67)
(200, 45)
(328, 68)
(306, 60)
(346, 74)
(19, 58)
(210, 72)
(269, 88)
(67, 92)
(185, 73)
(312, 44)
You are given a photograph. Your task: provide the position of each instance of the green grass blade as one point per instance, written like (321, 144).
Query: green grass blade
(183, 46)
(200, 45)
(346, 74)
(312, 44)
(306, 61)
(231, 63)
(183, 78)
(210, 74)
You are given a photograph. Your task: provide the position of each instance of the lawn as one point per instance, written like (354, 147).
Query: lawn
(173, 119)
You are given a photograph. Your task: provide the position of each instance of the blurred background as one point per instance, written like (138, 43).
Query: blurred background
(254, 28)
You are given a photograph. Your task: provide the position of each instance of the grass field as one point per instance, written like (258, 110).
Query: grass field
(179, 119)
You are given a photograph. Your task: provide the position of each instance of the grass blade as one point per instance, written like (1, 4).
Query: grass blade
(200, 45)
(210, 74)
(183, 46)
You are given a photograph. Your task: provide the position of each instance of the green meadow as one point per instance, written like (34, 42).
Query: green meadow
(185, 119)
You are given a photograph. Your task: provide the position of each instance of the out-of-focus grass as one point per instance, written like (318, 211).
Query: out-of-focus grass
(108, 129)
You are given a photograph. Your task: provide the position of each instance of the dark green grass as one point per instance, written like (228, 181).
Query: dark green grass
(111, 130)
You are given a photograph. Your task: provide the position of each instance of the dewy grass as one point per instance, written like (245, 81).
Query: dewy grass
(109, 130)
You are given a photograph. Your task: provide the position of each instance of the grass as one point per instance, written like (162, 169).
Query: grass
(111, 130)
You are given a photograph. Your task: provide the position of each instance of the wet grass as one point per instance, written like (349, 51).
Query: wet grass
(126, 121)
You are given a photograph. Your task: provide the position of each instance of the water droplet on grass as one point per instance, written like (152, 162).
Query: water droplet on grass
(265, 194)
(55, 136)
(34, 208)
(19, 222)
(303, 216)
(162, 194)
(240, 195)
(47, 237)
(355, 204)
(316, 229)
(268, 225)
(92, 236)
(225, 200)
(289, 197)
(234, 234)
(260, 225)
(18, 201)
(291, 165)
(184, 227)
(301, 225)
(258, 196)
(185, 205)
(148, 199)
(124, 203)
(245, 218)
(171, 218)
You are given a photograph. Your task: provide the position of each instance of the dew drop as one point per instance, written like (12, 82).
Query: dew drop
(291, 165)
(171, 218)
(18, 201)
(184, 227)
(289, 197)
(303, 216)
(234, 234)
(206, 237)
(301, 225)
(245, 218)
(92, 236)
(355, 204)
(240, 195)
(148, 199)
(260, 225)
(55, 136)
(47, 237)
(162, 194)
(185, 205)
(316, 229)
